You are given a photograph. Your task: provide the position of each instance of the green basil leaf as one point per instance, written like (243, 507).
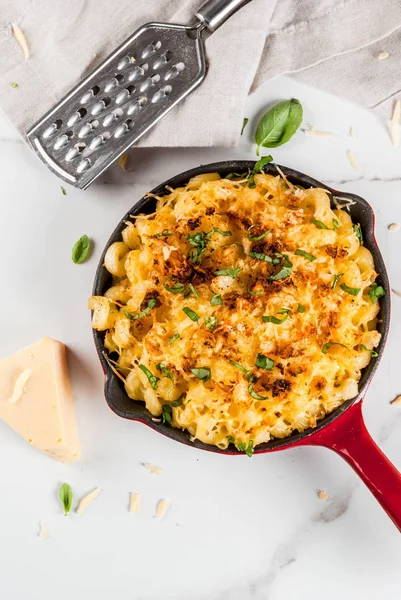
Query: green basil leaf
(350, 290)
(325, 347)
(193, 290)
(285, 271)
(164, 233)
(229, 272)
(255, 395)
(248, 449)
(151, 304)
(178, 402)
(177, 288)
(301, 308)
(244, 124)
(63, 190)
(191, 314)
(335, 280)
(358, 232)
(65, 495)
(260, 237)
(241, 368)
(336, 224)
(271, 319)
(211, 323)
(265, 257)
(264, 362)
(167, 414)
(279, 124)
(306, 255)
(257, 169)
(223, 232)
(202, 373)
(198, 241)
(318, 223)
(161, 367)
(376, 292)
(374, 353)
(81, 250)
(232, 175)
(253, 293)
(216, 300)
(230, 439)
(174, 338)
(151, 378)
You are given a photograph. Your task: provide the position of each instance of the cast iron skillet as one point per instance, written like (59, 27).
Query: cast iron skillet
(343, 430)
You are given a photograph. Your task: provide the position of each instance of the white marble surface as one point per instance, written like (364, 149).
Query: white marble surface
(237, 529)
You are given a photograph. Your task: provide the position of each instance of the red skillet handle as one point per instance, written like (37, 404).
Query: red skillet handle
(349, 437)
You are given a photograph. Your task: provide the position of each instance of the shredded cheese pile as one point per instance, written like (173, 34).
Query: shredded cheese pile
(240, 311)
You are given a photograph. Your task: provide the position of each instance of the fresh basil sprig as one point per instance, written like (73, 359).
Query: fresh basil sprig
(275, 320)
(167, 414)
(151, 304)
(216, 300)
(229, 272)
(211, 322)
(264, 257)
(264, 362)
(328, 345)
(153, 380)
(176, 288)
(191, 314)
(174, 338)
(376, 292)
(81, 250)
(279, 124)
(350, 290)
(65, 495)
(242, 446)
(259, 237)
(285, 271)
(318, 224)
(249, 377)
(358, 232)
(301, 308)
(363, 347)
(163, 369)
(257, 169)
(335, 280)
(306, 255)
(202, 373)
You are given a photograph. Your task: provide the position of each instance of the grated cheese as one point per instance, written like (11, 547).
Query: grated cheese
(352, 132)
(86, 500)
(396, 292)
(122, 161)
(352, 160)
(19, 386)
(323, 495)
(134, 503)
(318, 133)
(395, 123)
(382, 56)
(161, 509)
(393, 227)
(43, 533)
(154, 469)
(396, 401)
(21, 39)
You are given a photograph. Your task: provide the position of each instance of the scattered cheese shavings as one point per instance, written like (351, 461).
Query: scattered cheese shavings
(352, 160)
(21, 39)
(122, 161)
(382, 56)
(154, 469)
(317, 132)
(346, 202)
(135, 503)
(155, 420)
(395, 123)
(132, 59)
(396, 401)
(43, 533)
(352, 132)
(86, 500)
(19, 386)
(396, 292)
(323, 495)
(393, 227)
(161, 509)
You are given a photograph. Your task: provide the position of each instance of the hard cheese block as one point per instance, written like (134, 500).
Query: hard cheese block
(36, 399)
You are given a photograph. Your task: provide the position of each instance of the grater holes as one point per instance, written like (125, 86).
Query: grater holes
(63, 140)
(151, 49)
(114, 83)
(162, 93)
(99, 106)
(75, 151)
(163, 59)
(137, 105)
(88, 128)
(90, 94)
(52, 129)
(125, 94)
(113, 116)
(138, 72)
(76, 116)
(125, 62)
(150, 82)
(99, 140)
(83, 165)
(174, 71)
(123, 128)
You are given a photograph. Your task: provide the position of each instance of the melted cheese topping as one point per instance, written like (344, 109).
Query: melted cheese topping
(269, 345)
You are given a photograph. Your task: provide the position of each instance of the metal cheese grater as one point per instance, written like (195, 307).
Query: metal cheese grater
(126, 95)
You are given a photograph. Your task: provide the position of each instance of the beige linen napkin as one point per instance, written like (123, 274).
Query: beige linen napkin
(331, 44)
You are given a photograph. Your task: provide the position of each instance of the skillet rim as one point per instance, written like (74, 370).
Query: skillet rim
(123, 406)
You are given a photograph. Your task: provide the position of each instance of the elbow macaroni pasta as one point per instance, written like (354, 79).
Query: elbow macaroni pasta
(240, 314)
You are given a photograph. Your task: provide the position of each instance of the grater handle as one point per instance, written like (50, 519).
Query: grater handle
(216, 12)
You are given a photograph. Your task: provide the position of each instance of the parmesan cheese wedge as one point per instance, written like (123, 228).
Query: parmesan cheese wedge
(86, 500)
(36, 399)
(134, 503)
(161, 509)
